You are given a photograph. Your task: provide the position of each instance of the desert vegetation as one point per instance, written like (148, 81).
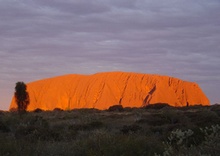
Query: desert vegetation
(153, 130)
(21, 97)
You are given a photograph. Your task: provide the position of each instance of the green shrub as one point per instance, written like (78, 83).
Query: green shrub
(34, 128)
(93, 132)
(181, 143)
(172, 116)
(203, 118)
(101, 142)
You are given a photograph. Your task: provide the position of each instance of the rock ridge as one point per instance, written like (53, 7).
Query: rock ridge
(102, 90)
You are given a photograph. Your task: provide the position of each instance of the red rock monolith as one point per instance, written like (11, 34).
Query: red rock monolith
(103, 90)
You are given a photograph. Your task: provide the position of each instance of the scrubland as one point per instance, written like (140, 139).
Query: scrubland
(154, 130)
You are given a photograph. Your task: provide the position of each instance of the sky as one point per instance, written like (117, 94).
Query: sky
(47, 38)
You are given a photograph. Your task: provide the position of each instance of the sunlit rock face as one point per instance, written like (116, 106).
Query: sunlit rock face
(103, 90)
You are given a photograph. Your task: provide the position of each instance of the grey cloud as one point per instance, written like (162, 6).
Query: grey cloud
(82, 7)
(44, 38)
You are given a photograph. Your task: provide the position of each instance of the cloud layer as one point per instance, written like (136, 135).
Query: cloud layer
(44, 38)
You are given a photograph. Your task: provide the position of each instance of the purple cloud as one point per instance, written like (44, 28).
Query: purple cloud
(44, 38)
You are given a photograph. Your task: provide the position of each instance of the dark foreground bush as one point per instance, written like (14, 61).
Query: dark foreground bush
(203, 118)
(193, 107)
(181, 142)
(87, 127)
(104, 143)
(38, 110)
(3, 127)
(33, 129)
(131, 129)
(57, 109)
(157, 106)
(93, 132)
(215, 108)
(116, 108)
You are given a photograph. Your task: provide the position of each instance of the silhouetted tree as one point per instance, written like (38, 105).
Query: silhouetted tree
(21, 96)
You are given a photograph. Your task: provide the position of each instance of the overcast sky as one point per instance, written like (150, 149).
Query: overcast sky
(46, 38)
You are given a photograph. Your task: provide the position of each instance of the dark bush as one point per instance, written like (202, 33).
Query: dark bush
(153, 120)
(135, 131)
(38, 110)
(57, 109)
(116, 108)
(86, 127)
(3, 127)
(193, 107)
(172, 116)
(86, 110)
(215, 108)
(203, 118)
(157, 106)
(131, 109)
(130, 129)
(96, 124)
(102, 143)
(35, 133)
(33, 128)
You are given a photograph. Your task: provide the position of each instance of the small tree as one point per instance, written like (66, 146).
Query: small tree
(21, 96)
